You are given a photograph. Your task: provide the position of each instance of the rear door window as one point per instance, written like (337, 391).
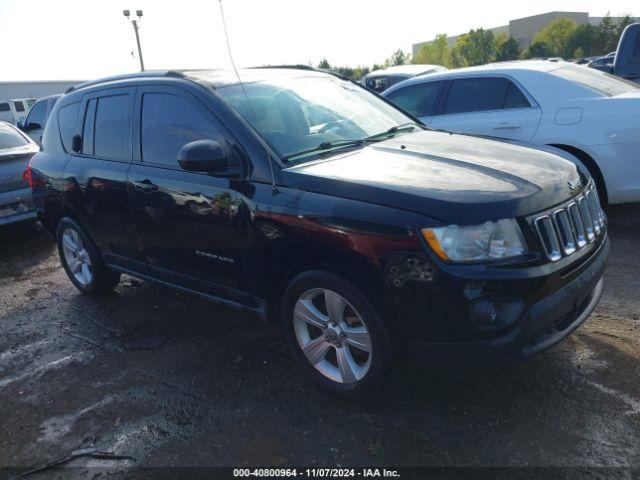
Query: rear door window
(168, 123)
(418, 99)
(112, 127)
(483, 94)
(19, 106)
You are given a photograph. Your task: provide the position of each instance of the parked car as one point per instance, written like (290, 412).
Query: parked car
(16, 150)
(627, 57)
(362, 234)
(380, 80)
(604, 64)
(37, 119)
(13, 111)
(589, 114)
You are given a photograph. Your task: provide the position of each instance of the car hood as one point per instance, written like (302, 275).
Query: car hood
(453, 178)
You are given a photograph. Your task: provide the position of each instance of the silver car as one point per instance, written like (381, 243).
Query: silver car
(16, 149)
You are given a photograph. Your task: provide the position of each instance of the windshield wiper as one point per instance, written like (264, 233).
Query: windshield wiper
(328, 146)
(405, 127)
(331, 145)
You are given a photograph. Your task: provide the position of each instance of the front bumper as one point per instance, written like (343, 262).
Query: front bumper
(541, 326)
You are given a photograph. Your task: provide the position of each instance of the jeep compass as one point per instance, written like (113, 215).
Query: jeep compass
(303, 197)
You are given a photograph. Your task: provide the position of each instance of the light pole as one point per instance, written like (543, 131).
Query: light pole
(135, 22)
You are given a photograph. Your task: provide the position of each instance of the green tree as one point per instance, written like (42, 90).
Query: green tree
(539, 49)
(585, 39)
(556, 35)
(507, 48)
(474, 48)
(324, 64)
(399, 58)
(607, 35)
(435, 52)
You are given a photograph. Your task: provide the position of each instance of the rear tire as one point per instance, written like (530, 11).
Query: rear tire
(336, 334)
(81, 260)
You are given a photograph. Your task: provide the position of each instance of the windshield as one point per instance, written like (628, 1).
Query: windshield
(296, 115)
(9, 138)
(601, 82)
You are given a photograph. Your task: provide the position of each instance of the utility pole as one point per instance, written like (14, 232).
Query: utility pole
(135, 22)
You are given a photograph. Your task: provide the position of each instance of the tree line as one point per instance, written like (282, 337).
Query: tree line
(561, 38)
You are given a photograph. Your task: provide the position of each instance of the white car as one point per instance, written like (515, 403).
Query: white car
(592, 115)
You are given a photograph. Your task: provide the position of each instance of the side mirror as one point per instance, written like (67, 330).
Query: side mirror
(20, 125)
(204, 156)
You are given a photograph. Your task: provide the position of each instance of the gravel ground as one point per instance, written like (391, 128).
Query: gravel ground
(171, 380)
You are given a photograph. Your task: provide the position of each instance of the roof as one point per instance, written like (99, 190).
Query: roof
(502, 67)
(405, 70)
(215, 77)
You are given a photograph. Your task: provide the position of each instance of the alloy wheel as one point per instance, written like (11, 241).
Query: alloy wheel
(77, 257)
(332, 335)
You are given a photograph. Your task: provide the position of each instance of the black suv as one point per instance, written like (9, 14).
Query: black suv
(304, 197)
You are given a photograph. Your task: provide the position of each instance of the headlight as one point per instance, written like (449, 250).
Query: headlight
(477, 243)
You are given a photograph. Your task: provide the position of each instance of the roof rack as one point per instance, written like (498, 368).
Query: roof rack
(126, 76)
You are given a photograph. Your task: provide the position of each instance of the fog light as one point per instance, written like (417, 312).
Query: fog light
(495, 314)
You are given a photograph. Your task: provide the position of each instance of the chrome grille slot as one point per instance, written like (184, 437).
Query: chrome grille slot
(549, 238)
(565, 231)
(581, 234)
(592, 195)
(570, 227)
(586, 218)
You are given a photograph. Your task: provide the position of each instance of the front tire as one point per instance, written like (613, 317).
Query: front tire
(336, 334)
(81, 260)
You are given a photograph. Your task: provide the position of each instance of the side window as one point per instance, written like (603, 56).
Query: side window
(515, 98)
(635, 56)
(418, 99)
(168, 123)
(4, 107)
(483, 94)
(67, 120)
(36, 116)
(19, 106)
(87, 127)
(111, 128)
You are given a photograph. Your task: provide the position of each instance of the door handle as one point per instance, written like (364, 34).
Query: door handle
(506, 126)
(146, 185)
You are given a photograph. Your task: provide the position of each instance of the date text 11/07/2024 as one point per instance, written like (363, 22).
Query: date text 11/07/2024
(316, 473)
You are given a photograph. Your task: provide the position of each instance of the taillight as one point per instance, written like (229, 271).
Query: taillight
(26, 175)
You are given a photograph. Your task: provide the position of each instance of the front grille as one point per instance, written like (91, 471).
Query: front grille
(568, 228)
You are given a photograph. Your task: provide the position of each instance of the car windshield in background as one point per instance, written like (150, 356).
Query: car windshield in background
(9, 138)
(601, 82)
(306, 114)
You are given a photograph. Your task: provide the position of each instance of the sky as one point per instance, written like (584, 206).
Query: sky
(86, 39)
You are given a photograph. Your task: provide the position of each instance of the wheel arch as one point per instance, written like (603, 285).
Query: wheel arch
(590, 164)
(352, 267)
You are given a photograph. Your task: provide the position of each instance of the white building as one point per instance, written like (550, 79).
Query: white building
(35, 89)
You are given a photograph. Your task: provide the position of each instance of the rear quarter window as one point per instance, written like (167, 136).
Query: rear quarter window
(67, 121)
